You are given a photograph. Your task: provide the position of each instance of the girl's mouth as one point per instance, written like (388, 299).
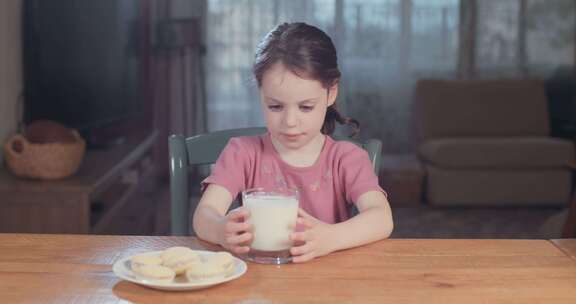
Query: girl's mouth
(291, 137)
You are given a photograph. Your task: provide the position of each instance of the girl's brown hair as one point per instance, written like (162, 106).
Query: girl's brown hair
(308, 52)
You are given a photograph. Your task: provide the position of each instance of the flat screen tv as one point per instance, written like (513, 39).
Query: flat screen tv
(81, 61)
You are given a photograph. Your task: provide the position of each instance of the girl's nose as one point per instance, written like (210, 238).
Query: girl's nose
(290, 118)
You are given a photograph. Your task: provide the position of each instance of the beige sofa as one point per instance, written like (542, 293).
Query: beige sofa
(487, 143)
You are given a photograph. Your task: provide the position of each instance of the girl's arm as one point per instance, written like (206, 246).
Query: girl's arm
(373, 223)
(213, 225)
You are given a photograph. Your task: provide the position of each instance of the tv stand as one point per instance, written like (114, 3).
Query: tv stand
(91, 201)
(99, 142)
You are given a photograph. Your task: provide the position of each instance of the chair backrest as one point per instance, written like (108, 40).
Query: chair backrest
(457, 108)
(204, 149)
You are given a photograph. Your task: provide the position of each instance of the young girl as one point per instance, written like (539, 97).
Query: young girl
(297, 73)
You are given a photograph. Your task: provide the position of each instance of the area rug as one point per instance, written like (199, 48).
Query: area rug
(515, 223)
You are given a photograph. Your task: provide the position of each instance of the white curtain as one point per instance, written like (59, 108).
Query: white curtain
(384, 47)
(524, 38)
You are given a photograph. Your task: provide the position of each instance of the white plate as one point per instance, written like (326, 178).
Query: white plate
(122, 269)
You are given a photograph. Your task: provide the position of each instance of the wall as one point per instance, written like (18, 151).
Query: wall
(10, 67)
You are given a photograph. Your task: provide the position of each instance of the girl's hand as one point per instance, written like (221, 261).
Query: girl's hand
(314, 241)
(236, 234)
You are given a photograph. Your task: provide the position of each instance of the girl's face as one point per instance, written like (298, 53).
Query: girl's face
(294, 107)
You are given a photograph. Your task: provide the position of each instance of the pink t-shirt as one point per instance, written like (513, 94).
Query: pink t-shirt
(341, 174)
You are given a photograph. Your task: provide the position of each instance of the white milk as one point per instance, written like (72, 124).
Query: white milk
(273, 219)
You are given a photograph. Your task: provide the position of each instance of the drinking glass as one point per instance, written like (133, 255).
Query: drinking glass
(273, 214)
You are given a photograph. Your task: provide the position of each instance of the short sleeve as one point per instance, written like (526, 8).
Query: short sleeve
(357, 174)
(231, 167)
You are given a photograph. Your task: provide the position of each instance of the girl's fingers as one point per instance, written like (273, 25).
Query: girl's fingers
(239, 239)
(240, 249)
(304, 258)
(303, 213)
(235, 227)
(304, 222)
(302, 250)
(301, 236)
(239, 214)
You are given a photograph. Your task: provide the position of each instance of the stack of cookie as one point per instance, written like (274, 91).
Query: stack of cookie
(176, 261)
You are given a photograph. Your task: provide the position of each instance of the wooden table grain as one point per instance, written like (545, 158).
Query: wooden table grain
(568, 246)
(78, 268)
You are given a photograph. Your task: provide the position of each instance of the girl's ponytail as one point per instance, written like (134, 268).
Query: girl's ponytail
(333, 116)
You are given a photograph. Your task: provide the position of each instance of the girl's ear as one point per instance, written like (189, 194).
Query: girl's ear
(332, 94)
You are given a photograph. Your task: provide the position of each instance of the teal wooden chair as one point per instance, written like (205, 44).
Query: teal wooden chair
(204, 149)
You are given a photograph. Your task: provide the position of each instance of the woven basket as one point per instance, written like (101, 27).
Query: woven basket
(46, 160)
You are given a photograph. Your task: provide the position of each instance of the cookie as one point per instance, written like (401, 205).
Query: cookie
(179, 263)
(179, 258)
(156, 273)
(175, 251)
(222, 260)
(212, 265)
(203, 271)
(144, 259)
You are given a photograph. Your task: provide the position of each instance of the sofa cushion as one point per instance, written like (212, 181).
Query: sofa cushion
(500, 152)
(448, 187)
(485, 108)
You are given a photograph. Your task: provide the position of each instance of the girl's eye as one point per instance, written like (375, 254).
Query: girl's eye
(275, 108)
(306, 108)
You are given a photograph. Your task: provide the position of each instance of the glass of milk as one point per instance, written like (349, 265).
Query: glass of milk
(273, 216)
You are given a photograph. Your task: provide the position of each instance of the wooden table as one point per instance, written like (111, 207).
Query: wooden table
(567, 245)
(77, 268)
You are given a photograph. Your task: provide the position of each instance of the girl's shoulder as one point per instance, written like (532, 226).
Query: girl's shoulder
(344, 153)
(247, 143)
(347, 156)
(345, 147)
